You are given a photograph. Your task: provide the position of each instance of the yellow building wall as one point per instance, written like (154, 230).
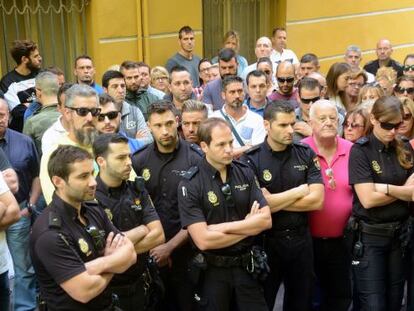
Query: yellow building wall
(326, 28)
(140, 30)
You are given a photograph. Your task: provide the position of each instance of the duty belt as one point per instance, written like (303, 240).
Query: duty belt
(390, 229)
(228, 261)
(272, 233)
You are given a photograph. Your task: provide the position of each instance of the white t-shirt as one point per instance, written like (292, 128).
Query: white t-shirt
(250, 127)
(3, 244)
(286, 54)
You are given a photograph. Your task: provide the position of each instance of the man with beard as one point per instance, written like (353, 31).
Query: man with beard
(163, 165)
(81, 111)
(285, 76)
(85, 72)
(227, 62)
(181, 87)
(136, 94)
(185, 56)
(18, 85)
(246, 126)
(109, 120)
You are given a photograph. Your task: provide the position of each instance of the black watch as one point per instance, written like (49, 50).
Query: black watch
(30, 207)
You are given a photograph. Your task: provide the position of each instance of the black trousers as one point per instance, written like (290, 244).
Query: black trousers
(333, 273)
(291, 262)
(410, 278)
(230, 288)
(379, 274)
(131, 296)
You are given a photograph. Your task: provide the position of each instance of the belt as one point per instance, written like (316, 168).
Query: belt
(387, 229)
(228, 261)
(286, 232)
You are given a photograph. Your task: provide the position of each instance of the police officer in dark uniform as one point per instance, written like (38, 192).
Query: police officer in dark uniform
(380, 171)
(290, 177)
(223, 208)
(162, 165)
(130, 209)
(75, 248)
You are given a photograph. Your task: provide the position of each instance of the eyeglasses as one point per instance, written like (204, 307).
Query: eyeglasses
(407, 116)
(161, 78)
(390, 126)
(401, 90)
(83, 112)
(331, 180)
(98, 237)
(309, 100)
(111, 115)
(287, 80)
(352, 125)
(408, 68)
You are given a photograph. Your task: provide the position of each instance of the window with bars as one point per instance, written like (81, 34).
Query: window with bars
(58, 27)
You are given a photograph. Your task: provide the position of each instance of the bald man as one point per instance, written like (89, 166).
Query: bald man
(384, 51)
(263, 49)
(285, 76)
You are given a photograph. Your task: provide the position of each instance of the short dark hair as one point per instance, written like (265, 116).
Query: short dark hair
(101, 144)
(63, 157)
(203, 60)
(226, 55)
(22, 48)
(230, 79)
(255, 73)
(63, 88)
(308, 84)
(142, 64)
(276, 29)
(207, 126)
(84, 56)
(128, 64)
(184, 29)
(160, 106)
(105, 99)
(265, 60)
(275, 107)
(109, 75)
(178, 68)
(309, 58)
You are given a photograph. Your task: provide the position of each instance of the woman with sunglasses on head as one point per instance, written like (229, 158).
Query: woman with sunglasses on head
(356, 124)
(404, 87)
(336, 81)
(406, 130)
(408, 69)
(380, 169)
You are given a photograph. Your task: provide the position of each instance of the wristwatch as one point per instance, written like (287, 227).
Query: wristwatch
(30, 207)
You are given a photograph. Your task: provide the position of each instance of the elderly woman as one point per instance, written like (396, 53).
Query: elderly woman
(356, 124)
(160, 79)
(356, 82)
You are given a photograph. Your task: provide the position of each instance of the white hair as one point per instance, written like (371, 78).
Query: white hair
(322, 103)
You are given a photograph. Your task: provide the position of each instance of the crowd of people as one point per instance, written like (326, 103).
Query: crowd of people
(208, 183)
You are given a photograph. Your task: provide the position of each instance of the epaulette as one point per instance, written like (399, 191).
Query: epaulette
(252, 149)
(300, 144)
(55, 222)
(362, 141)
(191, 172)
(197, 149)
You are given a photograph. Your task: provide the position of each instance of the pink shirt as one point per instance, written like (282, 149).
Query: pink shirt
(331, 220)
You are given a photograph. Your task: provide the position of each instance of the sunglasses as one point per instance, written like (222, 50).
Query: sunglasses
(331, 180)
(111, 115)
(390, 126)
(401, 90)
(283, 80)
(309, 100)
(83, 112)
(352, 125)
(98, 237)
(408, 68)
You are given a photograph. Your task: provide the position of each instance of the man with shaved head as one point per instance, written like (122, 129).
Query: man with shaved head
(285, 76)
(384, 51)
(263, 49)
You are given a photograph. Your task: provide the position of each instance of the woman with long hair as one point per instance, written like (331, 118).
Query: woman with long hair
(380, 168)
(406, 130)
(337, 81)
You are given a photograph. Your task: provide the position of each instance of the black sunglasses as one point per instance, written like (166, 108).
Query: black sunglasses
(98, 237)
(283, 80)
(309, 100)
(408, 68)
(390, 126)
(111, 115)
(401, 90)
(83, 112)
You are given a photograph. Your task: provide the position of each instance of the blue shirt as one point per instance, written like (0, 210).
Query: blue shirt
(33, 107)
(97, 88)
(259, 111)
(134, 144)
(21, 152)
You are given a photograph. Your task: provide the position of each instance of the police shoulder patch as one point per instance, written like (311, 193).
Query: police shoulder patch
(362, 141)
(191, 172)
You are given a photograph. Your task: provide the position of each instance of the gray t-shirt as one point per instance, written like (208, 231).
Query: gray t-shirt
(190, 64)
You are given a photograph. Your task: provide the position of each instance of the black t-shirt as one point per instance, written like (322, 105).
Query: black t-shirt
(371, 162)
(162, 174)
(201, 199)
(280, 171)
(55, 262)
(373, 66)
(127, 207)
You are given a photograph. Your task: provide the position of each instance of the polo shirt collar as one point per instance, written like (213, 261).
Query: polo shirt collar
(102, 187)
(67, 210)
(379, 146)
(211, 171)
